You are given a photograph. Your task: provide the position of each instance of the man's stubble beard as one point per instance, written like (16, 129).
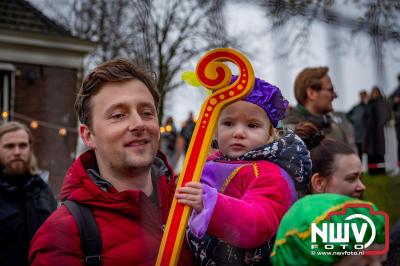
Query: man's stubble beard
(131, 163)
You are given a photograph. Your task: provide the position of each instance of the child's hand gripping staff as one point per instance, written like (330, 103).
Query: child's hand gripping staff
(214, 75)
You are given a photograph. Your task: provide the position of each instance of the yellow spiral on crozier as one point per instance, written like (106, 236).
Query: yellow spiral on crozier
(213, 72)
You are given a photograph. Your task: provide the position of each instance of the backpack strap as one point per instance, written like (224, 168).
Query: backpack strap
(88, 231)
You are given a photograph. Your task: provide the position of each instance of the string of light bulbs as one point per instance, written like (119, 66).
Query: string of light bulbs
(62, 130)
(35, 123)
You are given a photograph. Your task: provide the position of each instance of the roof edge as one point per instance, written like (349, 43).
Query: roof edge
(47, 41)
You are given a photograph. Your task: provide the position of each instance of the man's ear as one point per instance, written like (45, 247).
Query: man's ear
(311, 93)
(87, 136)
(318, 183)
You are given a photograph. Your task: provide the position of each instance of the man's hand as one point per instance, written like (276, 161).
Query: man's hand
(192, 195)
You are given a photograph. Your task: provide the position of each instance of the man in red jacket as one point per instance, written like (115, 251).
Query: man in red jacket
(127, 184)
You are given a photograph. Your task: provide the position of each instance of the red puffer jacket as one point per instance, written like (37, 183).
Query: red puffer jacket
(130, 224)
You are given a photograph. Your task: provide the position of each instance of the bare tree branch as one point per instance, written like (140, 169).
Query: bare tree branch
(379, 19)
(164, 35)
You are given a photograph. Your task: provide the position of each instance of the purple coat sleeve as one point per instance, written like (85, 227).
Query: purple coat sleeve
(198, 222)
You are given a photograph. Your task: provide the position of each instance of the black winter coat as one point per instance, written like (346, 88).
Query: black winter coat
(375, 117)
(25, 203)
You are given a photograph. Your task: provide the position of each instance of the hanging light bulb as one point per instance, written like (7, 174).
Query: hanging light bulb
(34, 124)
(62, 131)
(162, 129)
(5, 114)
(168, 128)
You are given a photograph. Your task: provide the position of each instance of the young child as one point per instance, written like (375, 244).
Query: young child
(245, 186)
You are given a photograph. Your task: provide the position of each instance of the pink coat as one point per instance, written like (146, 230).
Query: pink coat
(244, 202)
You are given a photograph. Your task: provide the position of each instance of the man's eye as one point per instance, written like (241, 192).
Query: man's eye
(117, 116)
(148, 113)
(23, 146)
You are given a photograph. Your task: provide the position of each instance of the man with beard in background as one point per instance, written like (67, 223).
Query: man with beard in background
(25, 199)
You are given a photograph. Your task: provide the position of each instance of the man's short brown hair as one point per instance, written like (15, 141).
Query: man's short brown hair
(308, 77)
(112, 71)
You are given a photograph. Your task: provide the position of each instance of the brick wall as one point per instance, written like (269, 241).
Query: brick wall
(47, 93)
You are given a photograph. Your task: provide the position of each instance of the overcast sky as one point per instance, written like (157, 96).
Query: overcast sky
(350, 59)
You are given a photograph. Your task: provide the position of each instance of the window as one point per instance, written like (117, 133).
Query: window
(7, 82)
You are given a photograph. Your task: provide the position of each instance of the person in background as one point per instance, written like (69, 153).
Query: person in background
(294, 245)
(395, 102)
(394, 247)
(336, 168)
(25, 199)
(393, 256)
(168, 140)
(247, 184)
(375, 118)
(123, 179)
(356, 117)
(183, 141)
(187, 131)
(315, 93)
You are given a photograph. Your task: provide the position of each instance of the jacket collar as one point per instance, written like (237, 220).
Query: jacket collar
(24, 182)
(83, 181)
(302, 110)
(288, 152)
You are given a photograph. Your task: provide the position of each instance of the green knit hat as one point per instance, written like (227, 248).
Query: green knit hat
(293, 244)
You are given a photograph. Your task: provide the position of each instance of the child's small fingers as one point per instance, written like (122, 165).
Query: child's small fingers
(188, 197)
(189, 190)
(184, 201)
(180, 189)
(193, 184)
(187, 202)
(192, 197)
(181, 195)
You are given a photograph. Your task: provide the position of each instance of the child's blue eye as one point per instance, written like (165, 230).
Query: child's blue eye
(252, 125)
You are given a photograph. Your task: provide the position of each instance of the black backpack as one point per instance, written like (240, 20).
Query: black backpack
(88, 231)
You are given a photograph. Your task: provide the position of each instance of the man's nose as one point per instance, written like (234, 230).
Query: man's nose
(16, 150)
(136, 123)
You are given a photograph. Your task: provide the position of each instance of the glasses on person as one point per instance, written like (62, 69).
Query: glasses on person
(331, 90)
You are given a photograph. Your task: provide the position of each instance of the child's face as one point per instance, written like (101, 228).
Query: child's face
(242, 127)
